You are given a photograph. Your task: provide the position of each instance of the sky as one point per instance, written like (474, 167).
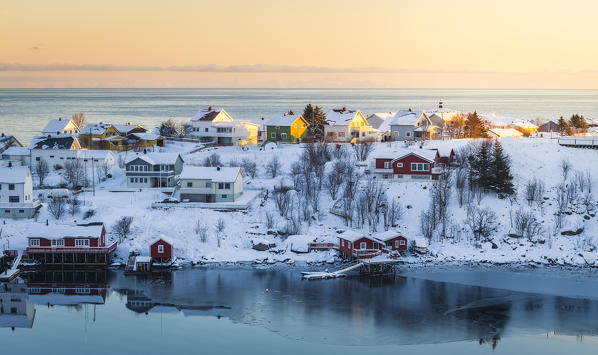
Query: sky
(544, 44)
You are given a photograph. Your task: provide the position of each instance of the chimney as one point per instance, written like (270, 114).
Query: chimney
(10, 164)
(210, 108)
(344, 108)
(410, 109)
(440, 104)
(59, 118)
(262, 120)
(145, 151)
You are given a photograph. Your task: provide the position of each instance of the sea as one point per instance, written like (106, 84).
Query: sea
(24, 112)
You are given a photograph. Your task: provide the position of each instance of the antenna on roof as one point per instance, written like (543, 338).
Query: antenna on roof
(440, 104)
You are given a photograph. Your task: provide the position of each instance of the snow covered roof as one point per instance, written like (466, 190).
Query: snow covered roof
(143, 259)
(340, 117)
(406, 117)
(16, 151)
(352, 235)
(154, 158)
(206, 114)
(380, 121)
(146, 136)
(386, 235)
(428, 154)
(126, 128)
(505, 132)
(65, 142)
(56, 125)
(58, 231)
(95, 128)
(223, 174)
(164, 238)
(13, 175)
(495, 120)
(94, 154)
(282, 120)
(7, 141)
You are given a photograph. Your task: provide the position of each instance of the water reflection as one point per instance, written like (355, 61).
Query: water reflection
(359, 310)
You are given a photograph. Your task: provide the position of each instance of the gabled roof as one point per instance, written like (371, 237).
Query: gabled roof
(13, 175)
(164, 238)
(16, 151)
(208, 114)
(341, 117)
(95, 128)
(407, 117)
(146, 136)
(283, 120)
(353, 236)
(380, 121)
(7, 141)
(505, 132)
(58, 231)
(63, 142)
(386, 235)
(126, 128)
(154, 158)
(427, 154)
(223, 174)
(57, 125)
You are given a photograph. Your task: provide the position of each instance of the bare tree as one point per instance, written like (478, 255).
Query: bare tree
(74, 173)
(74, 204)
(273, 167)
(102, 170)
(534, 191)
(122, 227)
(363, 149)
(565, 168)
(220, 226)
(426, 225)
(201, 230)
(393, 213)
(41, 171)
(212, 160)
(270, 222)
(334, 179)
(79, 119)
(526, 225)
(57, 206)
(481, 222)
(562, 203)
(460, 182)
(282, 198)
(249, 168)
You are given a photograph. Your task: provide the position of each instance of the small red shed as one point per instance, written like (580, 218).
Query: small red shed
(162, 249)
(392, 240)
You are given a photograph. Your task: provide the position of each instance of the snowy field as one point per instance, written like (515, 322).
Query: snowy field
(530, 158)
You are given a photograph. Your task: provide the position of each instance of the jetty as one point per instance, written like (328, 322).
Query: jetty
(579, 142)
(13, 271)
(366, 267)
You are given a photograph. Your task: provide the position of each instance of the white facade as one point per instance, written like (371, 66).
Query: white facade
(16, 192)
(211, 184)
(60, 127)
(60, 156)
(218, 127)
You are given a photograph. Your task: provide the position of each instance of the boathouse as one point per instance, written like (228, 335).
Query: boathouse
(80, 244)
(162, 250)
(356, 245)
(391, 241)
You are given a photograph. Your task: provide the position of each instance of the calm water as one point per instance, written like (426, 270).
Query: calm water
(24, 112)
(227, 311)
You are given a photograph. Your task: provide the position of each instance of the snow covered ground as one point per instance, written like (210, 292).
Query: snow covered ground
(531, 157)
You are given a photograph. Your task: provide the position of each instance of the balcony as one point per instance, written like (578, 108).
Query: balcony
(85, 250)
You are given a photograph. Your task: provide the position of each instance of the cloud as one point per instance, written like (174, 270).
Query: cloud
(210, 68)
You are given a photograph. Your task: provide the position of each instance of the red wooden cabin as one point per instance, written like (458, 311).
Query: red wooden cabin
(354, 244)
(162, 249)
(408, 165)
(392, 241)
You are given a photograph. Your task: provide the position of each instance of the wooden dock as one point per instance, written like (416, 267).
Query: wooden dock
(366, 267)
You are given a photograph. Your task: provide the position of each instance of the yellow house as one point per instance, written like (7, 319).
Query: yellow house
(345, 125)
(286, 128)
(119, 137)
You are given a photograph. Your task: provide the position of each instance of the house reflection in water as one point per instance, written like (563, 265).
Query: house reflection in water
(139, 302)
(16, 310)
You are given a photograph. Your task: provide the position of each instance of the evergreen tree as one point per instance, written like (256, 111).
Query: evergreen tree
(474, 126)
(579, 122)
(501, 179)
(290, 113)
(316, 117)
(564, 128)
(480, 163)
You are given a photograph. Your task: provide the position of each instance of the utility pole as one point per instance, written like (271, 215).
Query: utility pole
(93, 177)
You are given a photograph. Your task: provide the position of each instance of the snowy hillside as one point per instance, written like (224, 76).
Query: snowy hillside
(530, 158)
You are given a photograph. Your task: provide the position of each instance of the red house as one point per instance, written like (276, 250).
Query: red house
(63, 244)
(354, 244)
(392, 241)
(162, 250)
(408, 165)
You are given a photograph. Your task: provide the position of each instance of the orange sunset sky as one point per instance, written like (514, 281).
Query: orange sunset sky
(277, 43)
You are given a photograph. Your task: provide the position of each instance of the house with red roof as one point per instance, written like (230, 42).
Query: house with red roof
(407, 165)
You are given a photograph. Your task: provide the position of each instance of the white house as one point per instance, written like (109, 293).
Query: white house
(16, 193)
(345, 125)
(16, 155)
(60, 127)
(7, 141)
(150, 170)
(380, 122)
(211, 184)
(217, 126)
(407, 125)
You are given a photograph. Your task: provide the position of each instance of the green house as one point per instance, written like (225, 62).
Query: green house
(286, 128)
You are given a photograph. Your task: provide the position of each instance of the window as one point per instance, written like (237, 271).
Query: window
(208, 184)
(342, 242)
(399, 165)
(206, 129)
(420, 167)
(227, 185)
(131, 179)
(37, 158)
(57, 242)
(81, 242)
(386, 165)
(160, 249)
(21, 211)
(224, 196)
(362, 245)
(341, 134)
(220, 186)
(51, 156)
(402, 242)
(295, 125)
(189, 184)
(385, 176)
(11, 186)
(283, 135)
(396, 243)
(396, 133)
(408, 134)
(277, 127)
(34, 242)
(272, 135)
(13, 199)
